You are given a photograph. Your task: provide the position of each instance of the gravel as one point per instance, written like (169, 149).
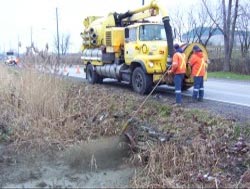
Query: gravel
(234, 112)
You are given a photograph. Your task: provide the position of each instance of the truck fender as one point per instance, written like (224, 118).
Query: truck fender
(94, 68)
(138, 63)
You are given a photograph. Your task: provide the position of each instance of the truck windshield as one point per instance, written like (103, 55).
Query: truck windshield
(152, 32)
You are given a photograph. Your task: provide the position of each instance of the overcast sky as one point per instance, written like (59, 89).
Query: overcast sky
(21, 18)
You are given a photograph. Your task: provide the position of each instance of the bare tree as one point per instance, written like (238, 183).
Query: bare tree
(183, 27)
(201, 26)
(243, 29)
(229, 14)
(64, 44)
(191, 25)
(178, 24)
(198, 27)
(205, 27)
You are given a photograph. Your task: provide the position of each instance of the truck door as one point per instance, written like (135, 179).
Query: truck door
(130, 47)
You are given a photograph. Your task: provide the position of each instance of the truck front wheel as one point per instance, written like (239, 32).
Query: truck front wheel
(141, 81)
(91, 76)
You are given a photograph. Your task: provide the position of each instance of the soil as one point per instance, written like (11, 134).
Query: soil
(100, 163)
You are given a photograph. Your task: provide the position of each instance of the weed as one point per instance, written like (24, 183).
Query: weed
(46, 113)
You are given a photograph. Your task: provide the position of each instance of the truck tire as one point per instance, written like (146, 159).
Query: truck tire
(91, 76)
(100, 79)
(141, 82)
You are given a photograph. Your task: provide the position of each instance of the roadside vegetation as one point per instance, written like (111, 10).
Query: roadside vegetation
(40, 113)
(229, 75)
(46, 114)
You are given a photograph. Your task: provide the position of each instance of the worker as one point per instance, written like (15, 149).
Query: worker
(198, 65)
(178, 68)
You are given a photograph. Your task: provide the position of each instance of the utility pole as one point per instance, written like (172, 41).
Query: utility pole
(18, 42)
(31, 40)
(58, 47)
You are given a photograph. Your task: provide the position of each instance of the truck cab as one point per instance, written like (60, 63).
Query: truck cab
(146, 44)
(145, 49)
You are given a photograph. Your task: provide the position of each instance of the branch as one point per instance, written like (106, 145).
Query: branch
(211, 16)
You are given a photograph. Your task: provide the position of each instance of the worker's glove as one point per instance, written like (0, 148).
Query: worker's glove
(169, 72)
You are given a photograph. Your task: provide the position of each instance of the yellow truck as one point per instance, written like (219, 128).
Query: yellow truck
(130, 48)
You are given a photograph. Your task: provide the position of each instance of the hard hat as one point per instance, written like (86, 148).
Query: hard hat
(176, 46)
(196, 48)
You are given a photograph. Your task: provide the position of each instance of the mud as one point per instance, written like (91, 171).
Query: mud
(97, 154)
(99, 163)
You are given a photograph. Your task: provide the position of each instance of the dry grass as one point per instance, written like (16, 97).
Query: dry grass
(206, 152)
(44, 111)
(41, 112)
(51, 61)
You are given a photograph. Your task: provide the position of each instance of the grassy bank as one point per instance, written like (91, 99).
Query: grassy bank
(229, 75)
(40, 112)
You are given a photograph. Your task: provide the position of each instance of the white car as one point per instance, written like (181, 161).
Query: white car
(11, 60)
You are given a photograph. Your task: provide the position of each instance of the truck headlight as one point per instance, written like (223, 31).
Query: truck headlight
(151, 64)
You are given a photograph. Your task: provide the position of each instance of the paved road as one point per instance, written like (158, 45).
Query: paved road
(236, 92)
(230, 91)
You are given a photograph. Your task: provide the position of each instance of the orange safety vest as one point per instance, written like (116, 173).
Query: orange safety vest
(179, 64)
(198, 64)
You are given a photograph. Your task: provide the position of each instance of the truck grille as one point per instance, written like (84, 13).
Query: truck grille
(108, 38)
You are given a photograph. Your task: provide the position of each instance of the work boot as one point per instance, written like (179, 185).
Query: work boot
(177, 105)
(200, 99)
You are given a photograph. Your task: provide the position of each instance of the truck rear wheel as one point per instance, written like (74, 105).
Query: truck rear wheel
(91, 76)
(141, 82)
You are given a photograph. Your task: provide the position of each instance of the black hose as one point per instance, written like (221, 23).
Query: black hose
(169, 34)
(118, 17)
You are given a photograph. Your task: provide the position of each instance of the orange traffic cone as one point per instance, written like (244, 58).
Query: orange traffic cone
(78, 69)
